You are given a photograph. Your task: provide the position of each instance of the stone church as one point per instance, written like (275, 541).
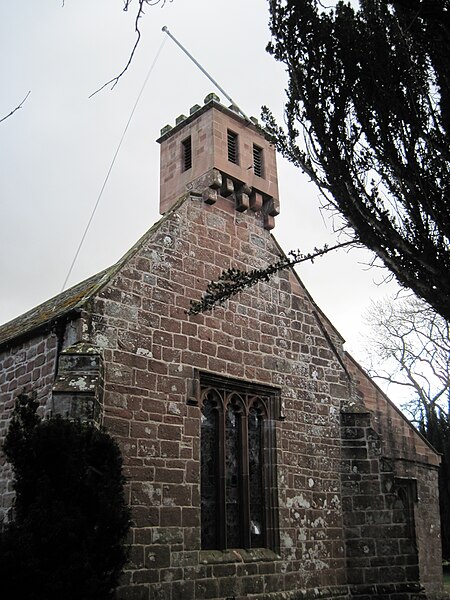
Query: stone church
(261, 461)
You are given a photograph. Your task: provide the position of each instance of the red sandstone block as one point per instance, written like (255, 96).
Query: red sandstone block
(175, 419)
(155, 366)
(145, 516)
(176, 495)
(194, 357)
(163, 296)
(186, 451)
(23, 380)
(184, 301)
(139, 472)
(117, 411)
(223, 339)
(192, 472)
(208, 348)
(170, 449)
(171, 355)
(232, 329)
(162, 338)
(169, 432)
(164, 475)
(217, 365)
(145, 379)
(236, 370)
(153, 406)
(170, 516)
(115, 426)
(144, 430)
(192, 425)
(180, 341)
(148, 448)
(39, 361)
(153, 306)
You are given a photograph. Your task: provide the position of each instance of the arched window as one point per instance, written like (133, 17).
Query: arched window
(238, 478)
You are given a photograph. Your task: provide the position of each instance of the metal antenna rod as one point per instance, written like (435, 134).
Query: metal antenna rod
(205, 73)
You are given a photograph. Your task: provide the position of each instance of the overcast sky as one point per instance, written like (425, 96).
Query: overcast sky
(55, 152)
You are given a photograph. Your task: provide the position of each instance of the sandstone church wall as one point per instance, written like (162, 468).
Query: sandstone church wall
(152, 350)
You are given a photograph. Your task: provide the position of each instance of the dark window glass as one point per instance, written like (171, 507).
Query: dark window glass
(238, 478)
(233, 490)
(232, 140)
(209, 474)
(255, 462)
(258, 162)
(186, 146)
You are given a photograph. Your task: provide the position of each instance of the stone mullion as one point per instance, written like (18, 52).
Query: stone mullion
(270, 485)
(244, 480)
(221, 491)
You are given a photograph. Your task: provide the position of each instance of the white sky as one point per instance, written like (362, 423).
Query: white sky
(55, 151)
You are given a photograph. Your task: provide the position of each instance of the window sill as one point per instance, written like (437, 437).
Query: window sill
(208, 557)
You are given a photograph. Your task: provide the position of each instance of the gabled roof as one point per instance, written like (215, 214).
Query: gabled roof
(389, 419)
(75, 297)
(52, 309)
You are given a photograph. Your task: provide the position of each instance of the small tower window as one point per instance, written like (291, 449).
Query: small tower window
(186, 146)
(258, 162)
(232, 140)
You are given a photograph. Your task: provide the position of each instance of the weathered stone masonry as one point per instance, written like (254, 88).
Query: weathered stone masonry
(120, 348)
(28, 367)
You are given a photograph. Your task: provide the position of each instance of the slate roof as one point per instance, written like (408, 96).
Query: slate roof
(52, 309)
(75, 297)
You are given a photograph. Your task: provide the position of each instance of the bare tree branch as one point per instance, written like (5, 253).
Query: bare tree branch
(410, 348)
(16, 109)
(140, 12)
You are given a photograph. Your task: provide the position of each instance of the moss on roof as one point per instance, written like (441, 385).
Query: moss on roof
(76, 297)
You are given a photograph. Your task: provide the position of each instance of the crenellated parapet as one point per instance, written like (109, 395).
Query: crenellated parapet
(216, 152)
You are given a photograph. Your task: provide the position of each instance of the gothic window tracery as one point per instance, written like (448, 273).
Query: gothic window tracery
(238, 479)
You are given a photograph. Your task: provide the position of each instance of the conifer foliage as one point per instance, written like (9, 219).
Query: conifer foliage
(66, 539)
(435, 426)
(368, 119)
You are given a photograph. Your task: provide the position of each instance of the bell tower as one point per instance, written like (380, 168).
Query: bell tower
(216, 152)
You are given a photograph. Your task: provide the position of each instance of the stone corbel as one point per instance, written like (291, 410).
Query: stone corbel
(243, 198)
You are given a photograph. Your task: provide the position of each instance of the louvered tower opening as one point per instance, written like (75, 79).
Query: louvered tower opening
(232, 140)
(258, 163)
(186, 153)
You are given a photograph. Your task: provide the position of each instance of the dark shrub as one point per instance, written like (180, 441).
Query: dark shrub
(66, 540)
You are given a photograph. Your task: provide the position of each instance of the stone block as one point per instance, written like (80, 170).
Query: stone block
(209, 196)
(256, 201)
(242, 201)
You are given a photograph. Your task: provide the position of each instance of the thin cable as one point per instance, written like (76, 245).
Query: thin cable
(112, 164)
(213, 81)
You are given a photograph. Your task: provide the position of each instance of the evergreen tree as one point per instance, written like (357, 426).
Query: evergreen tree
(435, 426)
(368, 119)
(70, 516)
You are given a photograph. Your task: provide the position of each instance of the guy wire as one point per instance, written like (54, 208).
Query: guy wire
(112, 164)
